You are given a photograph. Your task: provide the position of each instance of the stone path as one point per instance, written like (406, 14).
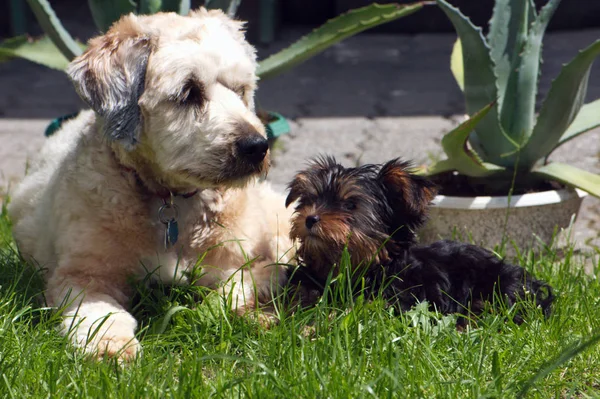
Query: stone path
(368, 99)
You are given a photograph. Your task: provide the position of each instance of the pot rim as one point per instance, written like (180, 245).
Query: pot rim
(516, 201)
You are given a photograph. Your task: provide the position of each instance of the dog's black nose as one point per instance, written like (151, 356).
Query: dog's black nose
(311, 221)
(253, 148)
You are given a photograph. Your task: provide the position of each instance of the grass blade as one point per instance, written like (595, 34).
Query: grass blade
(562, 357)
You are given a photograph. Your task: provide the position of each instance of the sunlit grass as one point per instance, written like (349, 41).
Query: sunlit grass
(344, 347)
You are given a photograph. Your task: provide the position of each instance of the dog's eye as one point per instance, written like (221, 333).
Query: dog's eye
(348, 205)
(192, 94)
(240, 91)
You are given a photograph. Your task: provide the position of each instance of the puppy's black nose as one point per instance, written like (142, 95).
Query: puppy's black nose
(253, 148)
(311, 221)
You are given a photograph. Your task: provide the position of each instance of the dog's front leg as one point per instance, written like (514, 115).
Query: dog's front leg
(252, 291)
(94, 316)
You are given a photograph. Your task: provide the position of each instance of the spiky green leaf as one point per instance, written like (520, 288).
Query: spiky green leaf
(479, 86)
(561, 106)
(587, 119)
(52, 26)
(517, 114)
(460, 157)
(456, 64)
(106, 12)
(41, 51)
(333, 31)
(570, 175)
(181, 7)
(507, 35)
(148, 7)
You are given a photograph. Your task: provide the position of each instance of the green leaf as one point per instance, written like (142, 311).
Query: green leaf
(479, 87)
(507, 35)
(571, 176)
(148, 7)
(106, 12)
(561, 106)
(460, 157)
(41, 51)
(181, 7)
(587, 119)
(228, 6)
(333, 31)
(456, 65)
(517, 114)
(52, 26)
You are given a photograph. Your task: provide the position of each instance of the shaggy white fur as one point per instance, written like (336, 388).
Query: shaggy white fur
(172, 111)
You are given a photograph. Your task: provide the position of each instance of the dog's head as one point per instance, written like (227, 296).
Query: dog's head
(176, 93)
(363, 208)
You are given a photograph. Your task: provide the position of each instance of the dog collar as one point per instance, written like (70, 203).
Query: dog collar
(168, 212)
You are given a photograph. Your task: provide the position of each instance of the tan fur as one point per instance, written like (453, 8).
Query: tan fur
(82, 213)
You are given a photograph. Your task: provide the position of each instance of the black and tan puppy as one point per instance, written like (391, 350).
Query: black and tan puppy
(374, 210)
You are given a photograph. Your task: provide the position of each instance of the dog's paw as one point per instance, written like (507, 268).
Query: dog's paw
(122, 348)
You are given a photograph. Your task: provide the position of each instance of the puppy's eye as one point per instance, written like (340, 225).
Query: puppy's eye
(348, 206)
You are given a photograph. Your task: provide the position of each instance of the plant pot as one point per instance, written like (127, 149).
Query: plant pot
(524, 220)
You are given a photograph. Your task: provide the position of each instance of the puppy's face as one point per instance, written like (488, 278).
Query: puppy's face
(177, 93)
(360, 208)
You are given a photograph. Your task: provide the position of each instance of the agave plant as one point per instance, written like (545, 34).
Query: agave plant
(504, 140)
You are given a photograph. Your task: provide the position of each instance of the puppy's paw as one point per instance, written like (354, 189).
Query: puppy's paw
(123, 348)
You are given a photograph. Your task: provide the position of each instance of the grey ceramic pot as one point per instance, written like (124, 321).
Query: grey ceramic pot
(527, 220)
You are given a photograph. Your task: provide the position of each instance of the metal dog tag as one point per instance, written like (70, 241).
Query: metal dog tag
(167, 215)
(171, 233)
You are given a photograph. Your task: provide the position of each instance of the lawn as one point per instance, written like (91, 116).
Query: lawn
(194, 348)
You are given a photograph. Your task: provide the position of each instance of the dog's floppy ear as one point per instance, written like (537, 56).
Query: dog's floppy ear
(296, 187)
(407, 194)
(109, 76)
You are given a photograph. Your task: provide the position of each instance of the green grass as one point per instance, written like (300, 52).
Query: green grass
(193, 347)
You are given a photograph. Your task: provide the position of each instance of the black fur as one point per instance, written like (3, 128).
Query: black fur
(390, 203)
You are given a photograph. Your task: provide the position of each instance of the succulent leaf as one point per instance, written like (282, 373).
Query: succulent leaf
(333, 31)
(460, 157)
(561, 106)
(52, 26)
(149, 6)
(571, 176)
(228, 6)
(479, 87)
(42, 51)
(106, 12)
(517, 115)
(587, 119)
(508, 31)
(456, 65)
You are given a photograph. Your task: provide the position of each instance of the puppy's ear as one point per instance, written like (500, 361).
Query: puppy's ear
(296, 187)
(407, 194)
(109, 76)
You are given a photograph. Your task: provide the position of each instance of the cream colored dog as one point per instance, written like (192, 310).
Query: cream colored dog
(161, 172)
